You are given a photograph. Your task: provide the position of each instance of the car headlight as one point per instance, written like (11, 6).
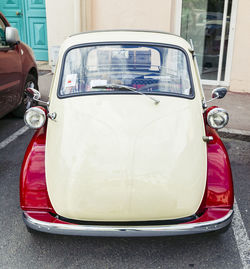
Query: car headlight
(35, 117)
(217, 118)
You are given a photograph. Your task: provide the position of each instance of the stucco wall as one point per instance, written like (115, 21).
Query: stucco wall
(65, 18)
(240, 73)
(131, 14)
(59, 20)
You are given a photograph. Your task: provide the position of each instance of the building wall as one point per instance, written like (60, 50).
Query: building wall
(131, 14)
(240, 73)
(59, 20)
(65, 18)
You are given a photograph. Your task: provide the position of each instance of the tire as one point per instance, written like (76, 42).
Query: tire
(27, 102)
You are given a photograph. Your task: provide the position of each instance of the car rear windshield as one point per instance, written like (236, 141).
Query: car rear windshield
(111, 68)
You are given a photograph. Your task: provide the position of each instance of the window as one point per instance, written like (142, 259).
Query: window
(146, 68)
(207, 23)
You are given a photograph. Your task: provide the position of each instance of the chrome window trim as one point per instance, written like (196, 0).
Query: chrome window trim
(190, 96)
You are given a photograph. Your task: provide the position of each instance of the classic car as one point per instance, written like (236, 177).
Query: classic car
(126, 144)
(18, 71)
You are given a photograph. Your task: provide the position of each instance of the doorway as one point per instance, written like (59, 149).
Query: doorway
(209, 24)
(29, 17)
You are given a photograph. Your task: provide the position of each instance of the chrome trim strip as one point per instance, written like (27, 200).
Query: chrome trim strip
(127, 231)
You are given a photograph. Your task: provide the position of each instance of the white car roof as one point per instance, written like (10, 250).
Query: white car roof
(125, 36)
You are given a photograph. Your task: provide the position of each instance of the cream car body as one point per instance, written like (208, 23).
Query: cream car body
(122, 157)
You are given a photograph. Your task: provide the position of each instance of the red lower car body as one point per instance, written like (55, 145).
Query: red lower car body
(215, 211)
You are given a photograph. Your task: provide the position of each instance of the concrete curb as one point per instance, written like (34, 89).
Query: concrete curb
(43, 72)
(43, 66)
(235, 134)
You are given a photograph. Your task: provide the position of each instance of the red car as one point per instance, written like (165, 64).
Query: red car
(18, 71)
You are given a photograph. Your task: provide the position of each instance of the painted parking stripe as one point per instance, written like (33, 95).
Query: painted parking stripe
(11, 138)
(241, 236)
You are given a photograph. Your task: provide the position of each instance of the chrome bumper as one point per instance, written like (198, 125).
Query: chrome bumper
(128, 231)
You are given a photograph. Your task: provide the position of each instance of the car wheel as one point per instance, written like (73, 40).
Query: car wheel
(27, 102)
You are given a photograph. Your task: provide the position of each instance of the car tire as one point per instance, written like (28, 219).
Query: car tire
(27, 102)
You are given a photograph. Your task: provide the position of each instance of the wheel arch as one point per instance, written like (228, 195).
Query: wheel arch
(33, 72)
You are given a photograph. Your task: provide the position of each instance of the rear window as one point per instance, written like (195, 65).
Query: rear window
(149, 69)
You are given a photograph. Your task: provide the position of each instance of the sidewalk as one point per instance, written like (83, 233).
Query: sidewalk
(238, 107)
(43, 66)
(236, 104)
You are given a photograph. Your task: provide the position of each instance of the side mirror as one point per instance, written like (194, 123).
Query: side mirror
(11, 36)
(219, 93)
(35, 95)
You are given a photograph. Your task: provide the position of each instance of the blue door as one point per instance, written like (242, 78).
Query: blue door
(29, 17)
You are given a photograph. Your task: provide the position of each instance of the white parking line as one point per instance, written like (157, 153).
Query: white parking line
(241, 236)
(11, 138)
